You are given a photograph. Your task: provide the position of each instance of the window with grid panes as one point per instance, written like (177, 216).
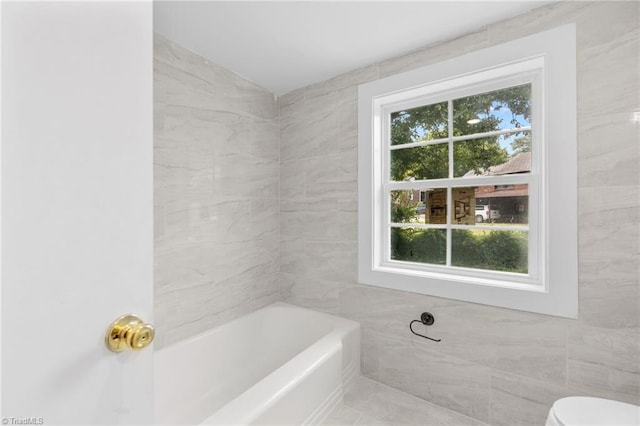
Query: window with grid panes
(455, 161)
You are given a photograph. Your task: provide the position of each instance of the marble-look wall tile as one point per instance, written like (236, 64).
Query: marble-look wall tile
(216, 188)
(384, 311)
(537, 20)
(332, 176)
(185, 78)
(494, 364)
(520, 401)
(169, 53)
(289, 99)
(532, 346)
(292, 179)
(591, 379)
(314, 293)
(605, 362)
(265, 290)
(235, 93)
(184, 267)
(196, 309)
(370, 353)
(616, 128)
(311, 134)
(265, 139)
(444, 380)
(493, 337)
(615, 349)
(174, 86)
(348, 82)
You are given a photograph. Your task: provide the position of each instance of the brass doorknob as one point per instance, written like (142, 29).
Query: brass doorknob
(129, 332)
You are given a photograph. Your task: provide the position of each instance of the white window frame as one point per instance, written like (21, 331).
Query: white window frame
(524, 72)
(547, 61)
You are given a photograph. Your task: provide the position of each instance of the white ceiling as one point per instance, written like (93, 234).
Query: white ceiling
(286, 45)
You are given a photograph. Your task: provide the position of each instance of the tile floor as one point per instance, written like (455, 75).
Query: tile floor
(372, 403)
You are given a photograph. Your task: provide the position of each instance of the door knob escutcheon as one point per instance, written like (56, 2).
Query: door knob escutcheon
(129, 332)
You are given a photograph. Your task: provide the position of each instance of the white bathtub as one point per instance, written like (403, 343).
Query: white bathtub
(280, 365)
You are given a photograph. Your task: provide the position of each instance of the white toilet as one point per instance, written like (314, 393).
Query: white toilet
(582, 410)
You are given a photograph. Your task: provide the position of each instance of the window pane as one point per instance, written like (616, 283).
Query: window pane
(491, 204)
(498, 110)
(502, 204)
(419, 245)
(498, 155)
(492, 250)
(464, 201)
(419, 206)
(427, 122)
(435, 210)
(406, 206)
(423, 162)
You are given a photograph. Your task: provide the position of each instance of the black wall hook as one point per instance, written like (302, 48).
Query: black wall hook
(427, 319)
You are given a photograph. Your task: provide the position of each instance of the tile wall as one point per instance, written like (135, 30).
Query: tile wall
(496, 365)
(216, 178)
(256, 200)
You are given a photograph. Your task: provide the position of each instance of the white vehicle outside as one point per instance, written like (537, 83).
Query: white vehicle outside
(484, 214)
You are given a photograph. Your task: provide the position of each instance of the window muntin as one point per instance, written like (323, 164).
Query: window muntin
(489, 227)
(488, 136)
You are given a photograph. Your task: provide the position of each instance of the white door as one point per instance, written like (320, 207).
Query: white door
(76, 195)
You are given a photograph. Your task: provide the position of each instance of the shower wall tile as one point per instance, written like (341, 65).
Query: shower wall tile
(610, 250)
(265, 290)
(605, 362)
(542, 19)
(238, 94)
(497, 365)
(615, 349)
(217, 211)
(591, 379)
(173, 86)
(171, 54)
(333, 176)
(348, 82)
(292, 179)
(265, 139)
(314, 293)
(493, 337)
(444, 380)
(615, 127)
(521, 401)
(189, 310)
(311, 134)
(519, 346)
(348, 127)
(184, 267)
(383, 311)
(370, 353)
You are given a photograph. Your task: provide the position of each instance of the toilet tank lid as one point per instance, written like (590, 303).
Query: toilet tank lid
(582, 410)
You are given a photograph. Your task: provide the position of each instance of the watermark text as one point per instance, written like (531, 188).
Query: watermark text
(23, 420)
